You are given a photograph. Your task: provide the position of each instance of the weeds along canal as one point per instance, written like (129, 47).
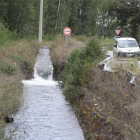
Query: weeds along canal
(44, 115)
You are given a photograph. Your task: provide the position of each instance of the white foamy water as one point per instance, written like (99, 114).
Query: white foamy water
(44, 115)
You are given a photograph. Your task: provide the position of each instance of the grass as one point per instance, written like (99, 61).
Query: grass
(129, 64)
(107, 43)
(17, 59)
(59, 53)
(109, 109)
(81, 38)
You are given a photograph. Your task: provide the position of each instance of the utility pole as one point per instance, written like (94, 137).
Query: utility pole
(40, 22)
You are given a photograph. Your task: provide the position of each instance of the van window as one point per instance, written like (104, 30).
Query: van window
(127, 43)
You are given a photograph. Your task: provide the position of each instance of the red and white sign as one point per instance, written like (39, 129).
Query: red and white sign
(117, 31)
(67, 31)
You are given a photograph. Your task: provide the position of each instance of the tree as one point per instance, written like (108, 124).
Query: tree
(89, 16)
(125, 12)
(23, 16)
(75, 22)
(20, 15)
(50, 16)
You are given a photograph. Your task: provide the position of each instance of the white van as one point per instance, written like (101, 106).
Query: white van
(126, 46)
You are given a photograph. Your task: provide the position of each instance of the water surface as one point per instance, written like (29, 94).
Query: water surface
(44, 115)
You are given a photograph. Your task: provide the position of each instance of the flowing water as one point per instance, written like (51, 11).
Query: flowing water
(44, 115)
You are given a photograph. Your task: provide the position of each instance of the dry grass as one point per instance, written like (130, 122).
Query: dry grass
(24, 48)
(59, 53)
(59, 50)
(20, 55)
(81, 38)
(110, 107)
(126, 64)
(107, 43)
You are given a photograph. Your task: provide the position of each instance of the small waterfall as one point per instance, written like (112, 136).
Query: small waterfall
(43, 66)
(43, 70)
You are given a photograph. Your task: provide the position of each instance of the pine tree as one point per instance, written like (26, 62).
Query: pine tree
(20, 15)
(50, 16)
(75, 16)
(89, 16)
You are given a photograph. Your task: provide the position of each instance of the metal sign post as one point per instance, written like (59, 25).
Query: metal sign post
(67, 32)
(66, 41)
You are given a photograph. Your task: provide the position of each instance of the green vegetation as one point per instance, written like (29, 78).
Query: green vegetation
(76, 68)
(123, 14)
(109, 109)
(106, 104)
(81, 38)
(107, 43)
(90, 17)
(131, 64)
(17, 60)
(59, 53)
(23, 16)
(7, 69)
(6, 35)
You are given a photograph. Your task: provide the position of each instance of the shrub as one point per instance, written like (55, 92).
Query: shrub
(110, 108)
(107, 43)
(81, 38)
(48, 37)
(2, 132)
(138, 36)
(25, 65)
(10, 97)
(16, 63)
(6, 35)
(59, 53)
(6, 68)
(74, 71)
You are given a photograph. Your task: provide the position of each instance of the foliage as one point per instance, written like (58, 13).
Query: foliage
(75, 68)
(75, 21)
(6, 35)
(107, 43)
(81, 38)
(138, 35)
(6, 68)
(59, 53)
(14, 58)
(109, 109)
(2, 129)
(124, 12)
(83, 17)
(89, 16)
(10, 97)
(105, 103)
(48, 37)
(21, 16)
(24, 63)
